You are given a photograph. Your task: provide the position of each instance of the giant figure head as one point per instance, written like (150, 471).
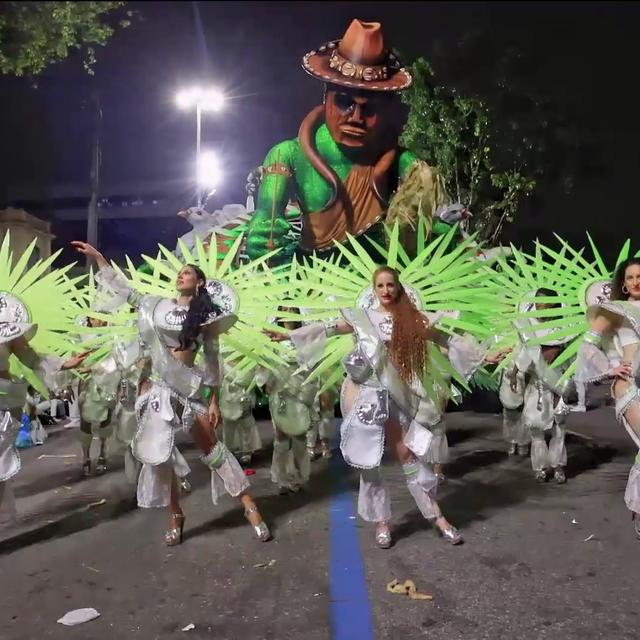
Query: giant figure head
(362, 79)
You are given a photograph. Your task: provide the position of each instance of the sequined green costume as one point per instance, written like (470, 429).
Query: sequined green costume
(290, 175)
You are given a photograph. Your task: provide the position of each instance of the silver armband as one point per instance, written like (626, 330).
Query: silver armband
(330, 328)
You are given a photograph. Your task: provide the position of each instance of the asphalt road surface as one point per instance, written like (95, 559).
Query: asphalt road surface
(539, 561)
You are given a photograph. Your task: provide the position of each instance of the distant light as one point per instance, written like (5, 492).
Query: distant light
(212, 100)
(187, 98)
(209, 172)
(209, 99)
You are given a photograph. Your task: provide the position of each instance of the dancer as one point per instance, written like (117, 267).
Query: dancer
(35, 305)
(130, 363)
(547, 289)
(383, 397)
(293, 408)
(322, 424)
(239, 429)
(511, 394)
(97, 400)
(173, 393)
(542, 411)
(438, 454)
(611, 350)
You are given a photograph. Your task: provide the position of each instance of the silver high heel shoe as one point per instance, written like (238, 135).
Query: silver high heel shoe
(383, 537)
(101, 466)
(540, 475)
(261, 530)
(185, 485)
(559, 475)
(173, 536)
(451, 534)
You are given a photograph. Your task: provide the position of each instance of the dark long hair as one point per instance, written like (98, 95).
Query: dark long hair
(200, 308)
(618, 279)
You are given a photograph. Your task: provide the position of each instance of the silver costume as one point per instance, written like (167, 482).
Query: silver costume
(174, 398)
(511, 393)
(322, 421)
(292, 404)
(541, 407)
(373, 393)
(237, 400)
(97, 400)
(13, 394)
(598, 356)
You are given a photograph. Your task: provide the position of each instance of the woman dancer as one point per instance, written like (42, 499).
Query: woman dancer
(383, 397)
(322, 424)
(15, 333)
(292, 406)
(36, 307)
(173, 394)
(239, 429)
(542, 411)
(511, 394)
(611, 349)
(97, 400)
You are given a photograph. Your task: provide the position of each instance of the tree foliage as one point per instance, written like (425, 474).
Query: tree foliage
(506, 128)
(457, 135)
(34, 35)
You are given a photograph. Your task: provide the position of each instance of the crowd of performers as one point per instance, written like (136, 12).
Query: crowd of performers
(184, 344)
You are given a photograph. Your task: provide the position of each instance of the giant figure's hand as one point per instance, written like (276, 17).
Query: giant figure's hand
(265, 235)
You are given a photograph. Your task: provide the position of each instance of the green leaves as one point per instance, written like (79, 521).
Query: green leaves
(459, 136)
(34, 35)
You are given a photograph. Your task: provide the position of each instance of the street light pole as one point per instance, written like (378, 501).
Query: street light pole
(198, 140)
(96, 158)
(203, 99)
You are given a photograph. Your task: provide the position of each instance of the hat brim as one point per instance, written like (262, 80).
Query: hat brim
(220, 324)
(316, 64)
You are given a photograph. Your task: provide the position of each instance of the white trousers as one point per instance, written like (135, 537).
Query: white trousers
(374, 503)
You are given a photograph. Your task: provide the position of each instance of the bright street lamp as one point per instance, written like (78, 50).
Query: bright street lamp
(203, 99)
(209, 99)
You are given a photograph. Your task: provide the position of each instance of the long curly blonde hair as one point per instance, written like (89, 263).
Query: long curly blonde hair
(410, 335)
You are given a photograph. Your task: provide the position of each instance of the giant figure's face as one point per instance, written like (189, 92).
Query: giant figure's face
(361, 120)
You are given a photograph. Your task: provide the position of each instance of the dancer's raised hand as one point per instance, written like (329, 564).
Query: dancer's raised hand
(88, 250)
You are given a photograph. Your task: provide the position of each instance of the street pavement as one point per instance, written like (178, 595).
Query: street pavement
(539, 561)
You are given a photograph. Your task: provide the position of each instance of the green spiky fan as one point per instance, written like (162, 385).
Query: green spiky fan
(121, 321)
(443, 277)
(255, 291)
(49, 297)
(566, 272)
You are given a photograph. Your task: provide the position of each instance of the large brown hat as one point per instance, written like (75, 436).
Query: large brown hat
(359, 60)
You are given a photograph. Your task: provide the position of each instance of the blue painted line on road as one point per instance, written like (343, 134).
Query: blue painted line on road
(351, 617)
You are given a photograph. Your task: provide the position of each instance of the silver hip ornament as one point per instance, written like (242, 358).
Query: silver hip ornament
(374, 412)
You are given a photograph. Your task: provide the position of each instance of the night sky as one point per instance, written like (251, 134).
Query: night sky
(582, 57)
